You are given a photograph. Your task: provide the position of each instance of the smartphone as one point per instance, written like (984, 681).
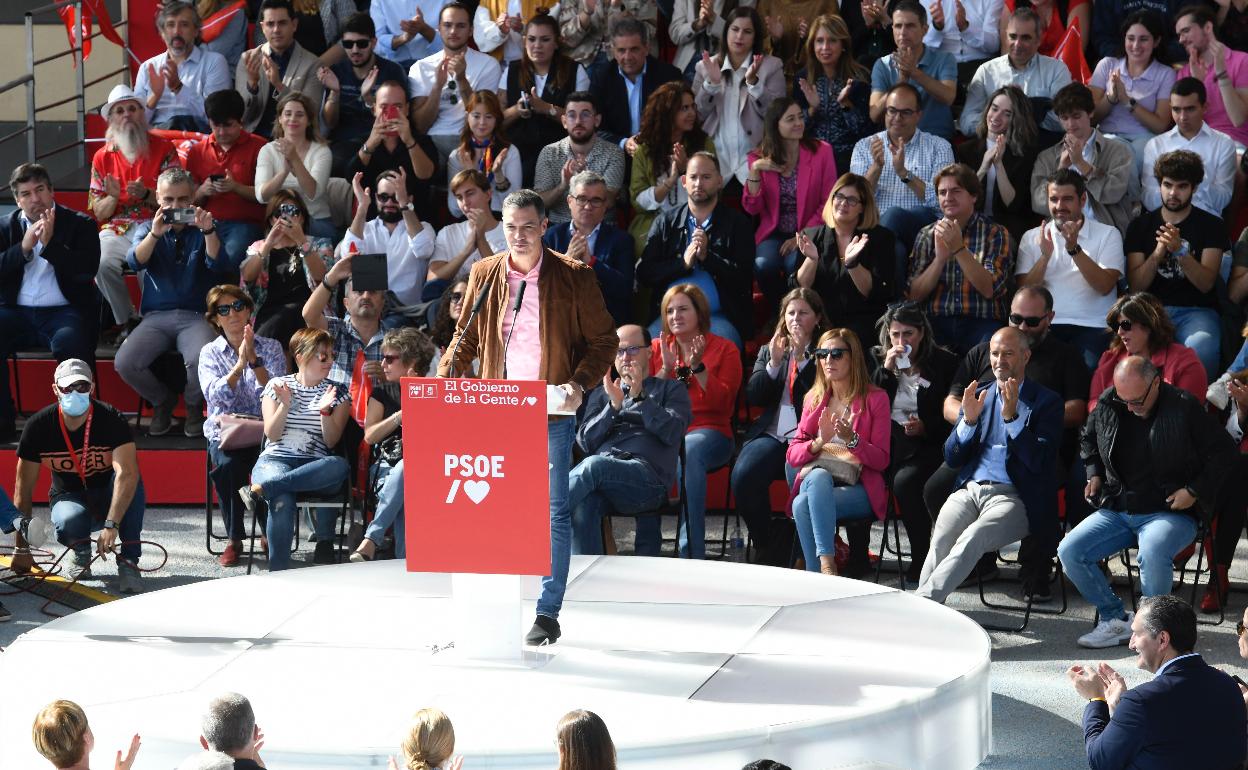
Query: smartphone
(179, 216)
(524, 102)
(390, 112)
(217, 177)
(1239, 681)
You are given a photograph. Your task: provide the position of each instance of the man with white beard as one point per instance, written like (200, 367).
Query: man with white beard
(123, 193)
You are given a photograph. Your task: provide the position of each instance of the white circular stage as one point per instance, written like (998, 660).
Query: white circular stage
(691, 664)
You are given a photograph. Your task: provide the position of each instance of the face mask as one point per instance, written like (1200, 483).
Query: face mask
(74, 403)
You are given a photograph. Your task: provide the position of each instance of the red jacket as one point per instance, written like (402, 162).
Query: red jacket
(712, 406)
(1178, 364)
(874, 436)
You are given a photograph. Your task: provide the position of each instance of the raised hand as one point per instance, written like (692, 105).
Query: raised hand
(128, 761)
(1008, 391)
(362, 193)
(710, 68)
(972, 404)
(810, 92)
(853, 251)
(843, 98)
(613, 390)
(112, 186)
(327, 398)
(329, 80)
(877, 152)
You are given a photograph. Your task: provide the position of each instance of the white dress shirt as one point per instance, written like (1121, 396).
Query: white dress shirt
(407, 256)
(39, 285)
(1216, 150)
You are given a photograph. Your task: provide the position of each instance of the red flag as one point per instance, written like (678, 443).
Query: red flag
(1070, 52)
(361, 388)
(215, 24)
(106, 21)
(69, 16)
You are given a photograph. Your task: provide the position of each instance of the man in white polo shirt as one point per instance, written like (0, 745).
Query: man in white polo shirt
(1079, 260)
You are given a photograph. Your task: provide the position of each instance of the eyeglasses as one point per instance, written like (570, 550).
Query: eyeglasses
(1137, 402)
(78, 387)
(584, 200)
(236, 306)
(387, 198)
(836, 354)
(359, 43)
(1125, 325)
(390, 358)
(629, 352)
(847, 200)
(893, 112)
(288, 210)
(1032, 321)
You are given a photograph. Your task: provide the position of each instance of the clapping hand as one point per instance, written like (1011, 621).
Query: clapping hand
(843, 98)
(972, 403)
(710, 68)
(362, 194)
(897, 150)
(775, 26)
(1070, 231)
(247, 348)
(272, 72)
(329, 80)
(936, 13)
(696, 250)
(751, 72)
(127, 762)
(667, 348)
(1046, 239)
(1115, 685)
(252, 63)
(136, 190)
(112, 186)
(697, 346)
(1087, 682)
(1169, 238)
(327, 399)
(614, 391)
(1008, 391)
(959, 16)
(806, 246)
(877, 152)
(1239, 391)
(281, 391)
(40, 231)
(1116, 87)
(853, 251)
(777, 347)
(155, 81)
(810, 92)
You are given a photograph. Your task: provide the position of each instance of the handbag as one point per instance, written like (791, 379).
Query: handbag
(240, 431)
(837, 460)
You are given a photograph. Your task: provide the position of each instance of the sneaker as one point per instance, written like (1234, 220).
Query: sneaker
(229, 556)
(324, 553)
(129, 579)
(80, 566)
(544, 631)
(4, 613)
(194, 426)
(1108, 633)
(162, 417)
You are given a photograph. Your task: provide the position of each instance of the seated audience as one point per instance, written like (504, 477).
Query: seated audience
(62, 736)
(900, 163)
(404, 353)
(1002, 152)
(274, 68)
(534, 92)
(584, 26)
(669, 135)
(407, 248)
(1155, 462)
(229, 726)
(754, 78)
(582, 149)
(969, 32)
(791, 177)
(1056, 16)
(833, 89)
(304, 417)
(391, 145)
(233, 371)
(231, 41)
(583, 739)
(915, 372)
(351, 89)
(318, 27)
(498, 27)
(484, 145)
(624, 90)
(1105, 39)
(98, 489)
(406, 29)
(710, 368)
(123, 193)
(1005, 447)
(932, 73)
(840, 449)
(1175, 253)
(461, 245)
(298, 160)
(443, 81)
(1133, 93)
(356, 337)
(281, 272)
(783, 373)
(1223, 71)
(696, 26)
(1106, 165)
(1038, 76)
(430, 742)
(1139, 326)
(595, 240)
(848, 259)
(707, 243)
(631, 436)
(225, 164)
(1083, 283)
(173, 84)
(49, 256)
(1233, 507)
(1191, 132)
(1189, 715)
(960, 265)
(872, 29)
(787, 24)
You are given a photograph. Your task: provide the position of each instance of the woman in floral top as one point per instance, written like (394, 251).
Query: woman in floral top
(834, 89)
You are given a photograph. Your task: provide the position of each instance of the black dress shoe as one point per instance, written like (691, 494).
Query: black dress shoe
(324, 553)
(545, 630)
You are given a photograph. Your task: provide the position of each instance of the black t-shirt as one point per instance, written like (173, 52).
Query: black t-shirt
(392, 445)
(1200, 230)
(42, 442)
(1133, 461)
(287, 283)
(1054, 364)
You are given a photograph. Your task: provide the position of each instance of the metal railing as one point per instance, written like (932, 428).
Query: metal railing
(80, 85)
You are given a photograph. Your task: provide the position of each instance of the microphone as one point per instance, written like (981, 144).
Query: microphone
(515, 313)
(472, 314)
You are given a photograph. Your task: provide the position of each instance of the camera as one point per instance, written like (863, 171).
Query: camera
(180, 216)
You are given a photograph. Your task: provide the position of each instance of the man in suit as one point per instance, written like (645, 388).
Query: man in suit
(1189, 715)
(48, 259)
(564, 335)
(623, 89)
(598, 243)
(268, 71)
(1005, 444)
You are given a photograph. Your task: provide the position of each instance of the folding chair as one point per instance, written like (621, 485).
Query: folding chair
(1199, 574)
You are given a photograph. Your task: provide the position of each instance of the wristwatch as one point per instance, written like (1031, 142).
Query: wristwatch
(1131, 104)
(110, 524)
(410, 207)
(683, 373)
(257, 364)
(1073, 251)
(907, 178)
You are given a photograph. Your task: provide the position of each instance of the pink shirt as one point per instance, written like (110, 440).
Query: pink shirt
(524, 353)
(1215, 108)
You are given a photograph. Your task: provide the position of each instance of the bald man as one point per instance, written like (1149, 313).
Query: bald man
(1005, 445)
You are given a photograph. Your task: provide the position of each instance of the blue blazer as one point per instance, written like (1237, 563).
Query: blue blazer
(614, 265)
(73, 252)
(1192, 715)
(1031, 458)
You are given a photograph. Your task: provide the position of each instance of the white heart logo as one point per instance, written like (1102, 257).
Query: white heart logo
(476, 490)
(531, 400)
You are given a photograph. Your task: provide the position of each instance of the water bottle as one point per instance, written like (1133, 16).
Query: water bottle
(736, 545)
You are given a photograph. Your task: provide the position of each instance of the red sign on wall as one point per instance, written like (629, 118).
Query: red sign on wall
(476, 485)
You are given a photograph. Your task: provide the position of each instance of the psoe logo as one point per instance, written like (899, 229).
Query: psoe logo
(422, 390)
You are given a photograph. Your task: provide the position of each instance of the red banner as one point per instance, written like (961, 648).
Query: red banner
(1070, 52)
(215, 24)
(476, 480)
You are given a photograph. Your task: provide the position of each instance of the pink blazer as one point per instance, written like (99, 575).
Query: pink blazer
(874, 436)
(816, 173)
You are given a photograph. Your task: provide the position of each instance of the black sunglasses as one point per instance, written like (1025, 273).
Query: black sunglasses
(1125, 325)
(349, 44)
(236, 306)
(836, 354)
(1030, 320)
(77, 387)
(387, 198)
(390, 357)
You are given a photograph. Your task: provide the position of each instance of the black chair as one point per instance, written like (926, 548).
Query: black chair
(1199, 574)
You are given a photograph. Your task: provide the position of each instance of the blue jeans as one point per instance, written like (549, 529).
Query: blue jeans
(960, 334)
(1091, 341)
(906, 224)
(325, 228)
(705, 449)
(281, 478)
(1199, 329)
(1159, 537)
(230, 470)
(68, 331)
(759, 463)
(601, 485)
(236, 236)
(772, 269)
(389, 508)
(75, 515)
(559, 437)
(817, 509)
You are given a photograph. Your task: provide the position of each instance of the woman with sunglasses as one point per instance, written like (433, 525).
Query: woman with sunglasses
(483, 145)
(304, 415)
(916, 374)
(783, 373)
(848, 260)
(840, 449)
(1139, 326)
(1003, 151)
(298, 160)
(404, 353)
(233, 371)
(833, 89)
(710, 366)
(281, 271)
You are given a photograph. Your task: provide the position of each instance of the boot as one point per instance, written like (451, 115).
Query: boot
(1216, 593)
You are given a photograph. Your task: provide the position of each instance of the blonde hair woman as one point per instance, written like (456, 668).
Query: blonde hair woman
(429, 743)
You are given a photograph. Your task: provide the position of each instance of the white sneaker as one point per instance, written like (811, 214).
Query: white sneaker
(1108, 633)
